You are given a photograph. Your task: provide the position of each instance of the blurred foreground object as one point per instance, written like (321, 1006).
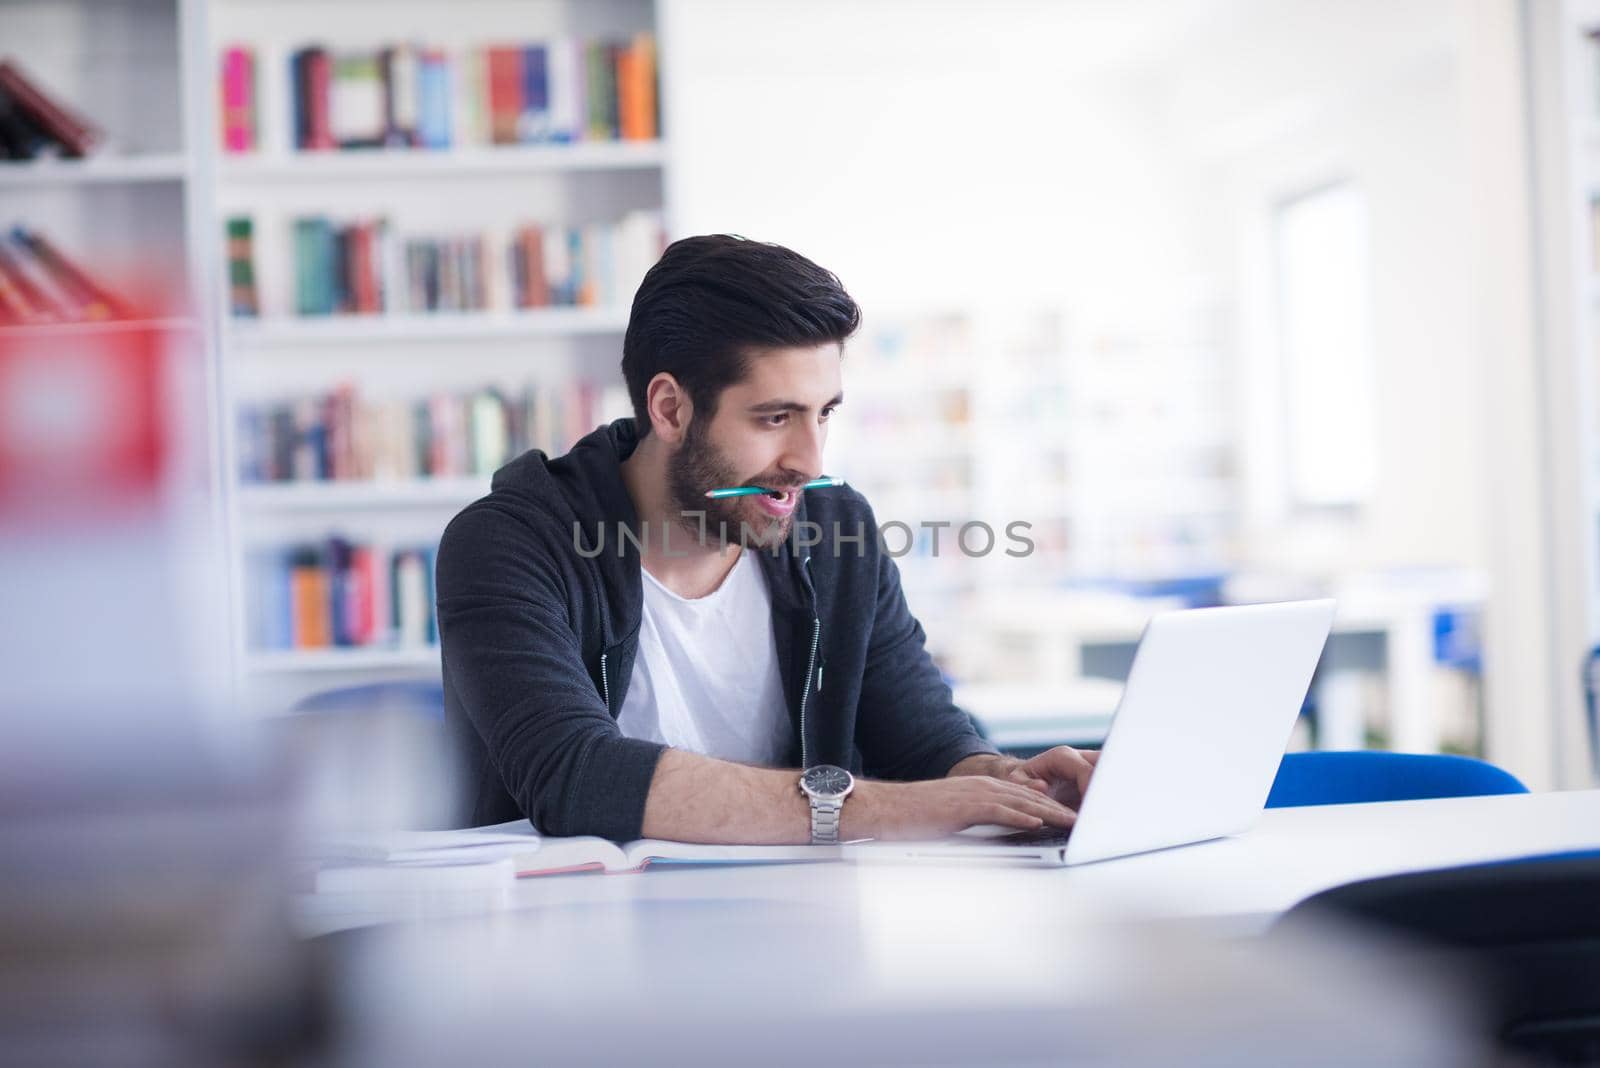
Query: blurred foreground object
(1529, 928)
(141, 912)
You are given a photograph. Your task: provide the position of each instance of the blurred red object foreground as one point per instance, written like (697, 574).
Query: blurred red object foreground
(83, 420)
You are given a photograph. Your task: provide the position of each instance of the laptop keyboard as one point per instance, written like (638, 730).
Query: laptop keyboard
(1044, 836)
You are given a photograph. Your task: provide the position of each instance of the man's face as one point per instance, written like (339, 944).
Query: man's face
(768, 431)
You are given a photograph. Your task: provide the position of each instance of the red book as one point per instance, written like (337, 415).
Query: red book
(91, 299)
(319, 87)
(361, 622)
(14, 294)
(536, 289)
(363, 280)
(75, 133)
(339, 416)
(505, 95)
(238, 100)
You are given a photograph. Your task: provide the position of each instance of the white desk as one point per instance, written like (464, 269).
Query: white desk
(946, 964)
(1242, 882)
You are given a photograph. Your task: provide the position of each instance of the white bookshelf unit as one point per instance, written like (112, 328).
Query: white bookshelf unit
(133, 208)
(399, 355)
(155, 200)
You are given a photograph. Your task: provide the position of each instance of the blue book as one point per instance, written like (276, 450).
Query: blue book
(276, 612)
(534, 123)
(433, 101)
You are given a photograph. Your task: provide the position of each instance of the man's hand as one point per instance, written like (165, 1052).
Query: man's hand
(1061, 774)
(937, 807)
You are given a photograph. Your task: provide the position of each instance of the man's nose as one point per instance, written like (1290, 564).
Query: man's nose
(804, 452)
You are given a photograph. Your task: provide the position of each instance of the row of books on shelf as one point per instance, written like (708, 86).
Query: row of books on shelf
(35, 123)
(364, 267)
(40, 284)
(338, 436)
(404, 95)
(343, 594)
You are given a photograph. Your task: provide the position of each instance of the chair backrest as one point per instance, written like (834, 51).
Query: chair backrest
(1352, 776)
(1529, 926)
(423, 697)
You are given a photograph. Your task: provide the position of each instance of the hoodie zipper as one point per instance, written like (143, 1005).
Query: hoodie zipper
(816, 632)
(605, 686)
(811, 666)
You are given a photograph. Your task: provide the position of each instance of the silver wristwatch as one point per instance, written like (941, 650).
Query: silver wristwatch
(826, 786)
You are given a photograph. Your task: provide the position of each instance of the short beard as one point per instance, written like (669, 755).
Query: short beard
(696, 467)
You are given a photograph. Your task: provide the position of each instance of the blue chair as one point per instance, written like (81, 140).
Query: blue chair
(1348, 777)
(423, 697)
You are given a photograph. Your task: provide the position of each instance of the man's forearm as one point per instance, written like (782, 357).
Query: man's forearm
(984, 764)
(699, 799)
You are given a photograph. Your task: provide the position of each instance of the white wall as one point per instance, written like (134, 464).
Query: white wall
(1402, 139)
(1106, 155)
(929, 153)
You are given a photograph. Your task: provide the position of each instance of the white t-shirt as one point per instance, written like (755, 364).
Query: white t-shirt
(706, 677)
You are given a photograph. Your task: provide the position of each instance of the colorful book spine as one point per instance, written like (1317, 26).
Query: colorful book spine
(637, 103)
(356, 101)
(238, 111)
(89, 299)
(310, 597)
(338, 436)
(242, 299)
(596, 122)
(20, 136)
(76, 135)
(401, 76)
(434, 110)
(24, 302)
(341, 593)
(566, 90)
(558, 90)
(311, 78)
(535, 121)
(506, 88)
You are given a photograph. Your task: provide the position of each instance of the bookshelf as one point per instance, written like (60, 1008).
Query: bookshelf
(1111, 437)
(411, 164)
(471, 190)
(353, 495)
(284, 332)
(54, 173)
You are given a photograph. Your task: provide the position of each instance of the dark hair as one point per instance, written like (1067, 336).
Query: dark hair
(711, 300)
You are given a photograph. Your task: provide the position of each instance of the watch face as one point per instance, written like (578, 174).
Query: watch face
(825, 780)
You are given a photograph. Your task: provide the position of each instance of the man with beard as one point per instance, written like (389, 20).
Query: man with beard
(627, 658)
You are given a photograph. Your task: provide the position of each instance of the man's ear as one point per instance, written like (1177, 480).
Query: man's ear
(669, 407)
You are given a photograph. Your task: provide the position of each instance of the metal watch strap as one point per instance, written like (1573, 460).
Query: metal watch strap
(825, 821)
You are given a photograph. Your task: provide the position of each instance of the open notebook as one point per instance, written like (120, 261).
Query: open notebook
(558, 855)
(427, 855)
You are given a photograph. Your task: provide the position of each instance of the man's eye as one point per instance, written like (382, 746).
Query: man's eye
(826, 412)
(777, 420)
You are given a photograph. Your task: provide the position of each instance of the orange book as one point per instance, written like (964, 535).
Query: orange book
(636, 89)
(310, 597)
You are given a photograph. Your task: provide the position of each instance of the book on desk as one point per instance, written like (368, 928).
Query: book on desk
(483, 856)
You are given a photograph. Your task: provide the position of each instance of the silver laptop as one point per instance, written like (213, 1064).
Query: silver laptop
(1193, 747)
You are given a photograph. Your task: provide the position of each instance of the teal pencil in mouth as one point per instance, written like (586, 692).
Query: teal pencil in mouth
(825, 482)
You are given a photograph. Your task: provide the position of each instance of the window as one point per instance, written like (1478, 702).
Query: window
(1324, 332)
